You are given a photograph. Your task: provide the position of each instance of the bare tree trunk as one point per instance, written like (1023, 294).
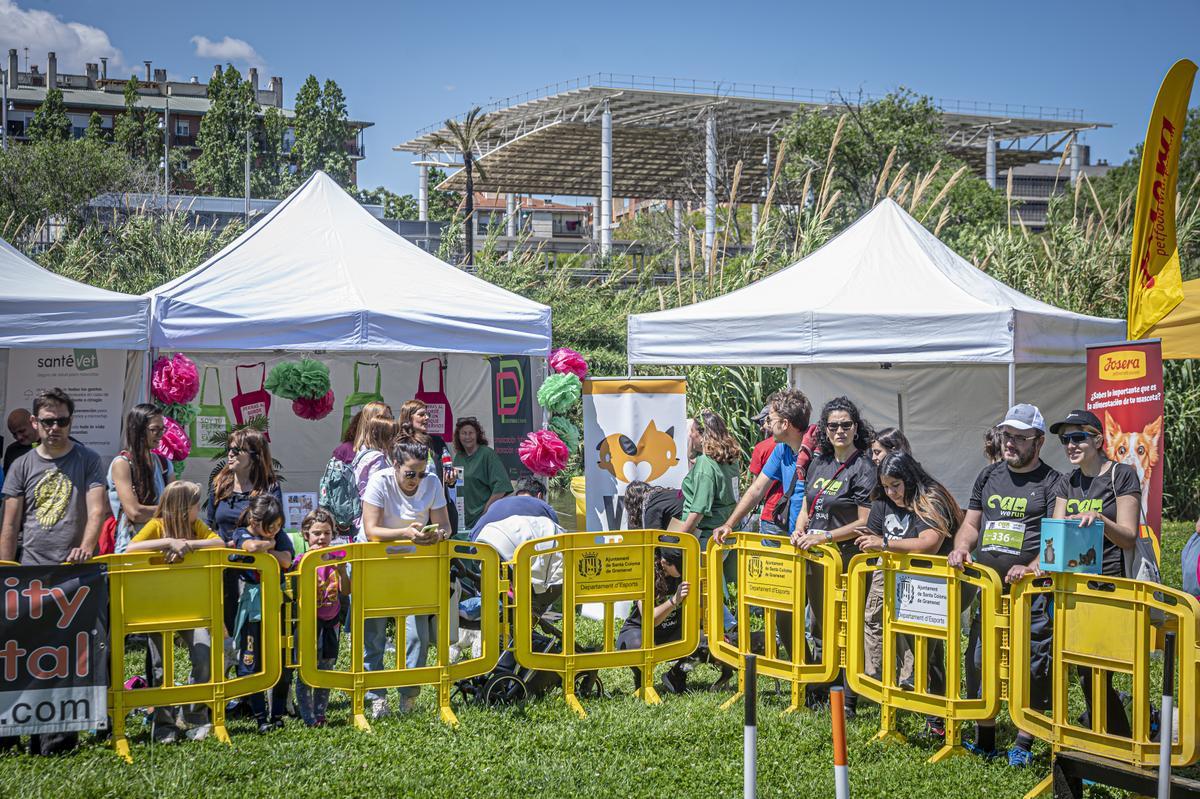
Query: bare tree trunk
(469, 224)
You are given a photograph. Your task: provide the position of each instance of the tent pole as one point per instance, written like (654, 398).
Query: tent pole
(1012, 384)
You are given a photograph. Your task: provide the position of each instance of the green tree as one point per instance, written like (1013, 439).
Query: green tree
(442, 204)
(271, 174)
(95, 128)
(220, 167)
(395, 206)
(50, 120)
(322, 132)
(136, 130)
(56, 178)
(465, 138)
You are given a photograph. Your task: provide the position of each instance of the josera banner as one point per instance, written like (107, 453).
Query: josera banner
(53, 649)
(512, 409)
(1125, 390)
(633, 429)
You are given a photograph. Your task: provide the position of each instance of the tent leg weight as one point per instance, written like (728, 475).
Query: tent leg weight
(1070, 769)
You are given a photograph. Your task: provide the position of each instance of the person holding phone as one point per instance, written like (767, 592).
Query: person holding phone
(403, 503)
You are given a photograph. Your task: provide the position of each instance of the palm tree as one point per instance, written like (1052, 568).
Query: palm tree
(465, 138)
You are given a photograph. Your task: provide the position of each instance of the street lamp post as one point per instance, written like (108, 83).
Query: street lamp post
(4, 108)
(167, 147)
(247, 178)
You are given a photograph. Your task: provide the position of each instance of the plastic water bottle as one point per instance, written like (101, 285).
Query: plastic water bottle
(460, 501)
(454, 494)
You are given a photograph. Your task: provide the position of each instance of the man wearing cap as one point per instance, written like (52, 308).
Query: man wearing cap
(1002, 529)
(758, 459)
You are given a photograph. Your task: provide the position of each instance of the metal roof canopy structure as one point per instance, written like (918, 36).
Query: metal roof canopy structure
(548, 141)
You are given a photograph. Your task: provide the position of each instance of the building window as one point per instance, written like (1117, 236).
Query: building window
(183, 127)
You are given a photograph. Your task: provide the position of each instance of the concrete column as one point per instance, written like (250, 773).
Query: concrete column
(677, 229)
(511, 216)
(595, 219)
(423, 192)
(1076, 162)
(51, 71)
(606, 181)
(710, 183)
(990, 167)
(754, 225)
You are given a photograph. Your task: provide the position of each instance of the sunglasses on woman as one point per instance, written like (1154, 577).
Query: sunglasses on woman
(235, 451)
(1074, 438)
(409, 474)
(838, 425)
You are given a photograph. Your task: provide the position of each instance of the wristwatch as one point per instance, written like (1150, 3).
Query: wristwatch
(885, 544)
(829, 536)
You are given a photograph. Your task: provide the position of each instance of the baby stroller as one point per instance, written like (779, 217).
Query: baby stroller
(509, 682)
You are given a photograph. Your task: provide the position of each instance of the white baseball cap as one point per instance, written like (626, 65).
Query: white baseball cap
(1024, 417)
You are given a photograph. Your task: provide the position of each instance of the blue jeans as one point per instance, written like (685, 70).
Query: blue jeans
(419, 633)
(769, 528)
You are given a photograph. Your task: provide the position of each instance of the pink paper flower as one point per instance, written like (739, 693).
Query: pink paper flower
(175, 379)
(544, 453)
(566, 360)
(313, 409)
(175, 445)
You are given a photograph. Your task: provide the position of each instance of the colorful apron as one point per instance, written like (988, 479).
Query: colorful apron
(441, 418)
(211, 420)
(248, 405)
(358, 398)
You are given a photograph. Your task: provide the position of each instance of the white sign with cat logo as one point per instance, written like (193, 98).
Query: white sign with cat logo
(921, 600)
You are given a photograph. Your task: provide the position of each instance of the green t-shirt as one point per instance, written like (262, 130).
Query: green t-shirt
(484, 474)
(708, 490)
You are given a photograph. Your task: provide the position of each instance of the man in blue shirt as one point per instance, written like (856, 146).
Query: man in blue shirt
(787, 420)
(530, 500)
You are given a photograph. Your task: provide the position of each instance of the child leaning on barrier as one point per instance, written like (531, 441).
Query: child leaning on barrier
(260, 529)
(333, 583)
(913, 514)
(176, 529)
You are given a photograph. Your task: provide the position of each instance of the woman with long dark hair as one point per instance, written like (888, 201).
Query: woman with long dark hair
(137, 476)
(911, 513)
(837, 501)
(710, 488)
(485, 478)
(666, 621)
(649, 507)
(414, 424)
(887, 441)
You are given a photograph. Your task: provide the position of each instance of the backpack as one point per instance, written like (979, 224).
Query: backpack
(1191, 565)
(339, 494)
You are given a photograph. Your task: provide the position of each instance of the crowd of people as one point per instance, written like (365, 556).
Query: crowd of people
(839, 482)
(835, 481)
(389, 479)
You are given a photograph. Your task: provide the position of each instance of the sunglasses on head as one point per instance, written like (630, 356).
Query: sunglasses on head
(54, 421)
(235, 451)
(1076, 437)
(838, 425)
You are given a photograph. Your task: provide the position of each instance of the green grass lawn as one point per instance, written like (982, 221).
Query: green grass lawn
(685, 747)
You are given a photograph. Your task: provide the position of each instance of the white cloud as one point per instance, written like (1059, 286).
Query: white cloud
(41, 31)
(449, 87)
(235, 51)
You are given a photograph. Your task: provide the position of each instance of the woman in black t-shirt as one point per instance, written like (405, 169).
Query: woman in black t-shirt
(650, 507)
(1098, 488)
(666, 619)
(914, 514)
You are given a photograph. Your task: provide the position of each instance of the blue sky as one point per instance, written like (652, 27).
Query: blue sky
(404, 65)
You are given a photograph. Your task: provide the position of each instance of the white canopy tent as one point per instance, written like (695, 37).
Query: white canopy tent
(320, 277)
(888, 315)
(321, 273)
(83, 339)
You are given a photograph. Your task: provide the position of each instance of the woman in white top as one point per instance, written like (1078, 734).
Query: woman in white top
(376, 438)
(402, 503)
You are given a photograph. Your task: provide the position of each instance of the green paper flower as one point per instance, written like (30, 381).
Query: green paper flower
(560, 392)
(183, 414)
(566, 430)
(304, 379)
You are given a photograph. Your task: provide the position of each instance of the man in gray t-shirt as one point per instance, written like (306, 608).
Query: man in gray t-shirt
(54, 493)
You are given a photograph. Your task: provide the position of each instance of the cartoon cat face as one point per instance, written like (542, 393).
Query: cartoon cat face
(649, 459)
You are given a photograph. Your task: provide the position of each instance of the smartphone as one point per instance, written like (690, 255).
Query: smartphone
(430, 528)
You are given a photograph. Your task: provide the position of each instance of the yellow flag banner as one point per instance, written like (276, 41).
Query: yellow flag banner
(1155, 280)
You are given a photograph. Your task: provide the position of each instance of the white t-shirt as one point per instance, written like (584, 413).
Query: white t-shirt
(400, 509)
(506, 535)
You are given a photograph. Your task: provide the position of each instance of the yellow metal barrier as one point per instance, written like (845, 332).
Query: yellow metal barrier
(773, 576)
(605, 568)
(923, 600)
(147, 596)
(1106, 625)
(395, 581)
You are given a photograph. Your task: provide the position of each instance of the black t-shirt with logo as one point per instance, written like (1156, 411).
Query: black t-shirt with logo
(894, 522)
(661, 506)
(1099, 494)
(833, 501)
(1013, 505)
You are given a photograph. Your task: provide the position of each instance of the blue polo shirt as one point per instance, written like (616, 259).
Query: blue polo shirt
(781, 466)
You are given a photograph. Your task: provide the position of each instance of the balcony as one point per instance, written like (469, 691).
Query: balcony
(182, 140)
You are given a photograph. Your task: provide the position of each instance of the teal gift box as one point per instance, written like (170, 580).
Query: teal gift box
(1067, 547)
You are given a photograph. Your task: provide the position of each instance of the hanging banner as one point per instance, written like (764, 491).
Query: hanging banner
(1155, 280)
(1125, 390)
(93, 379)
(633, 429)
(441, 417)
(53, 649)
(512, 409)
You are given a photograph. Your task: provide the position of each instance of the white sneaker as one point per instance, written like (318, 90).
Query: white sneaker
(408, 704)
(165, 735)
(199, 733)
(380, 709)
